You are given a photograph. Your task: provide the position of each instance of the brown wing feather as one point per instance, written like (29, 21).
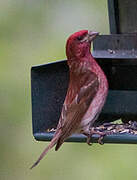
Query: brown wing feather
(75, 111)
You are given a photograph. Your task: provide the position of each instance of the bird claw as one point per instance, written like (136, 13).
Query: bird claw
(89, 136)
(89, 140)
(102, 134)
(100, 139)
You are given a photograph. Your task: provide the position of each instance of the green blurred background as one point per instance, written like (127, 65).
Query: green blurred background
(34, 32)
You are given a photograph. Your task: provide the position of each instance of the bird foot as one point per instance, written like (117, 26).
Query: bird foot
(101, 136)
(89, 137)
(100, 139)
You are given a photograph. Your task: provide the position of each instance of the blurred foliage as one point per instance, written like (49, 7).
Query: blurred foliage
(34, 32)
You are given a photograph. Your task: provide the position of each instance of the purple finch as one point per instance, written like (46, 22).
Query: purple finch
(86, 94)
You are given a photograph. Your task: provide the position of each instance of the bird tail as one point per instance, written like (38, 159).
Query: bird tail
(52, 143)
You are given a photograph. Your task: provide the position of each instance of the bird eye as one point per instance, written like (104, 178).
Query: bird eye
(79, 38)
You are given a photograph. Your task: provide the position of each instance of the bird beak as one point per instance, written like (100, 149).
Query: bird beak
(92, 35)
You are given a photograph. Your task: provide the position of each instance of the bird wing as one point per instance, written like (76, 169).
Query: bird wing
(73, 113)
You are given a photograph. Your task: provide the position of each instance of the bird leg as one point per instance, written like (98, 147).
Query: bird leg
(89, 137)
(101, 136)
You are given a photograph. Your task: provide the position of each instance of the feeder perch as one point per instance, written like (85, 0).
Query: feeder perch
(117, 55)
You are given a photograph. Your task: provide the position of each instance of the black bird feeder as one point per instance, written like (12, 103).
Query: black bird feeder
(118, 50)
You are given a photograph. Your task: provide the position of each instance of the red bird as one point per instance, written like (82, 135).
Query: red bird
(86, 94)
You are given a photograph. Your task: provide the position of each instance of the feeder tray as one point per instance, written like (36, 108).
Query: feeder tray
(117, 55)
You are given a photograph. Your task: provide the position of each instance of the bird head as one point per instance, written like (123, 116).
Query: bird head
(79, 44)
